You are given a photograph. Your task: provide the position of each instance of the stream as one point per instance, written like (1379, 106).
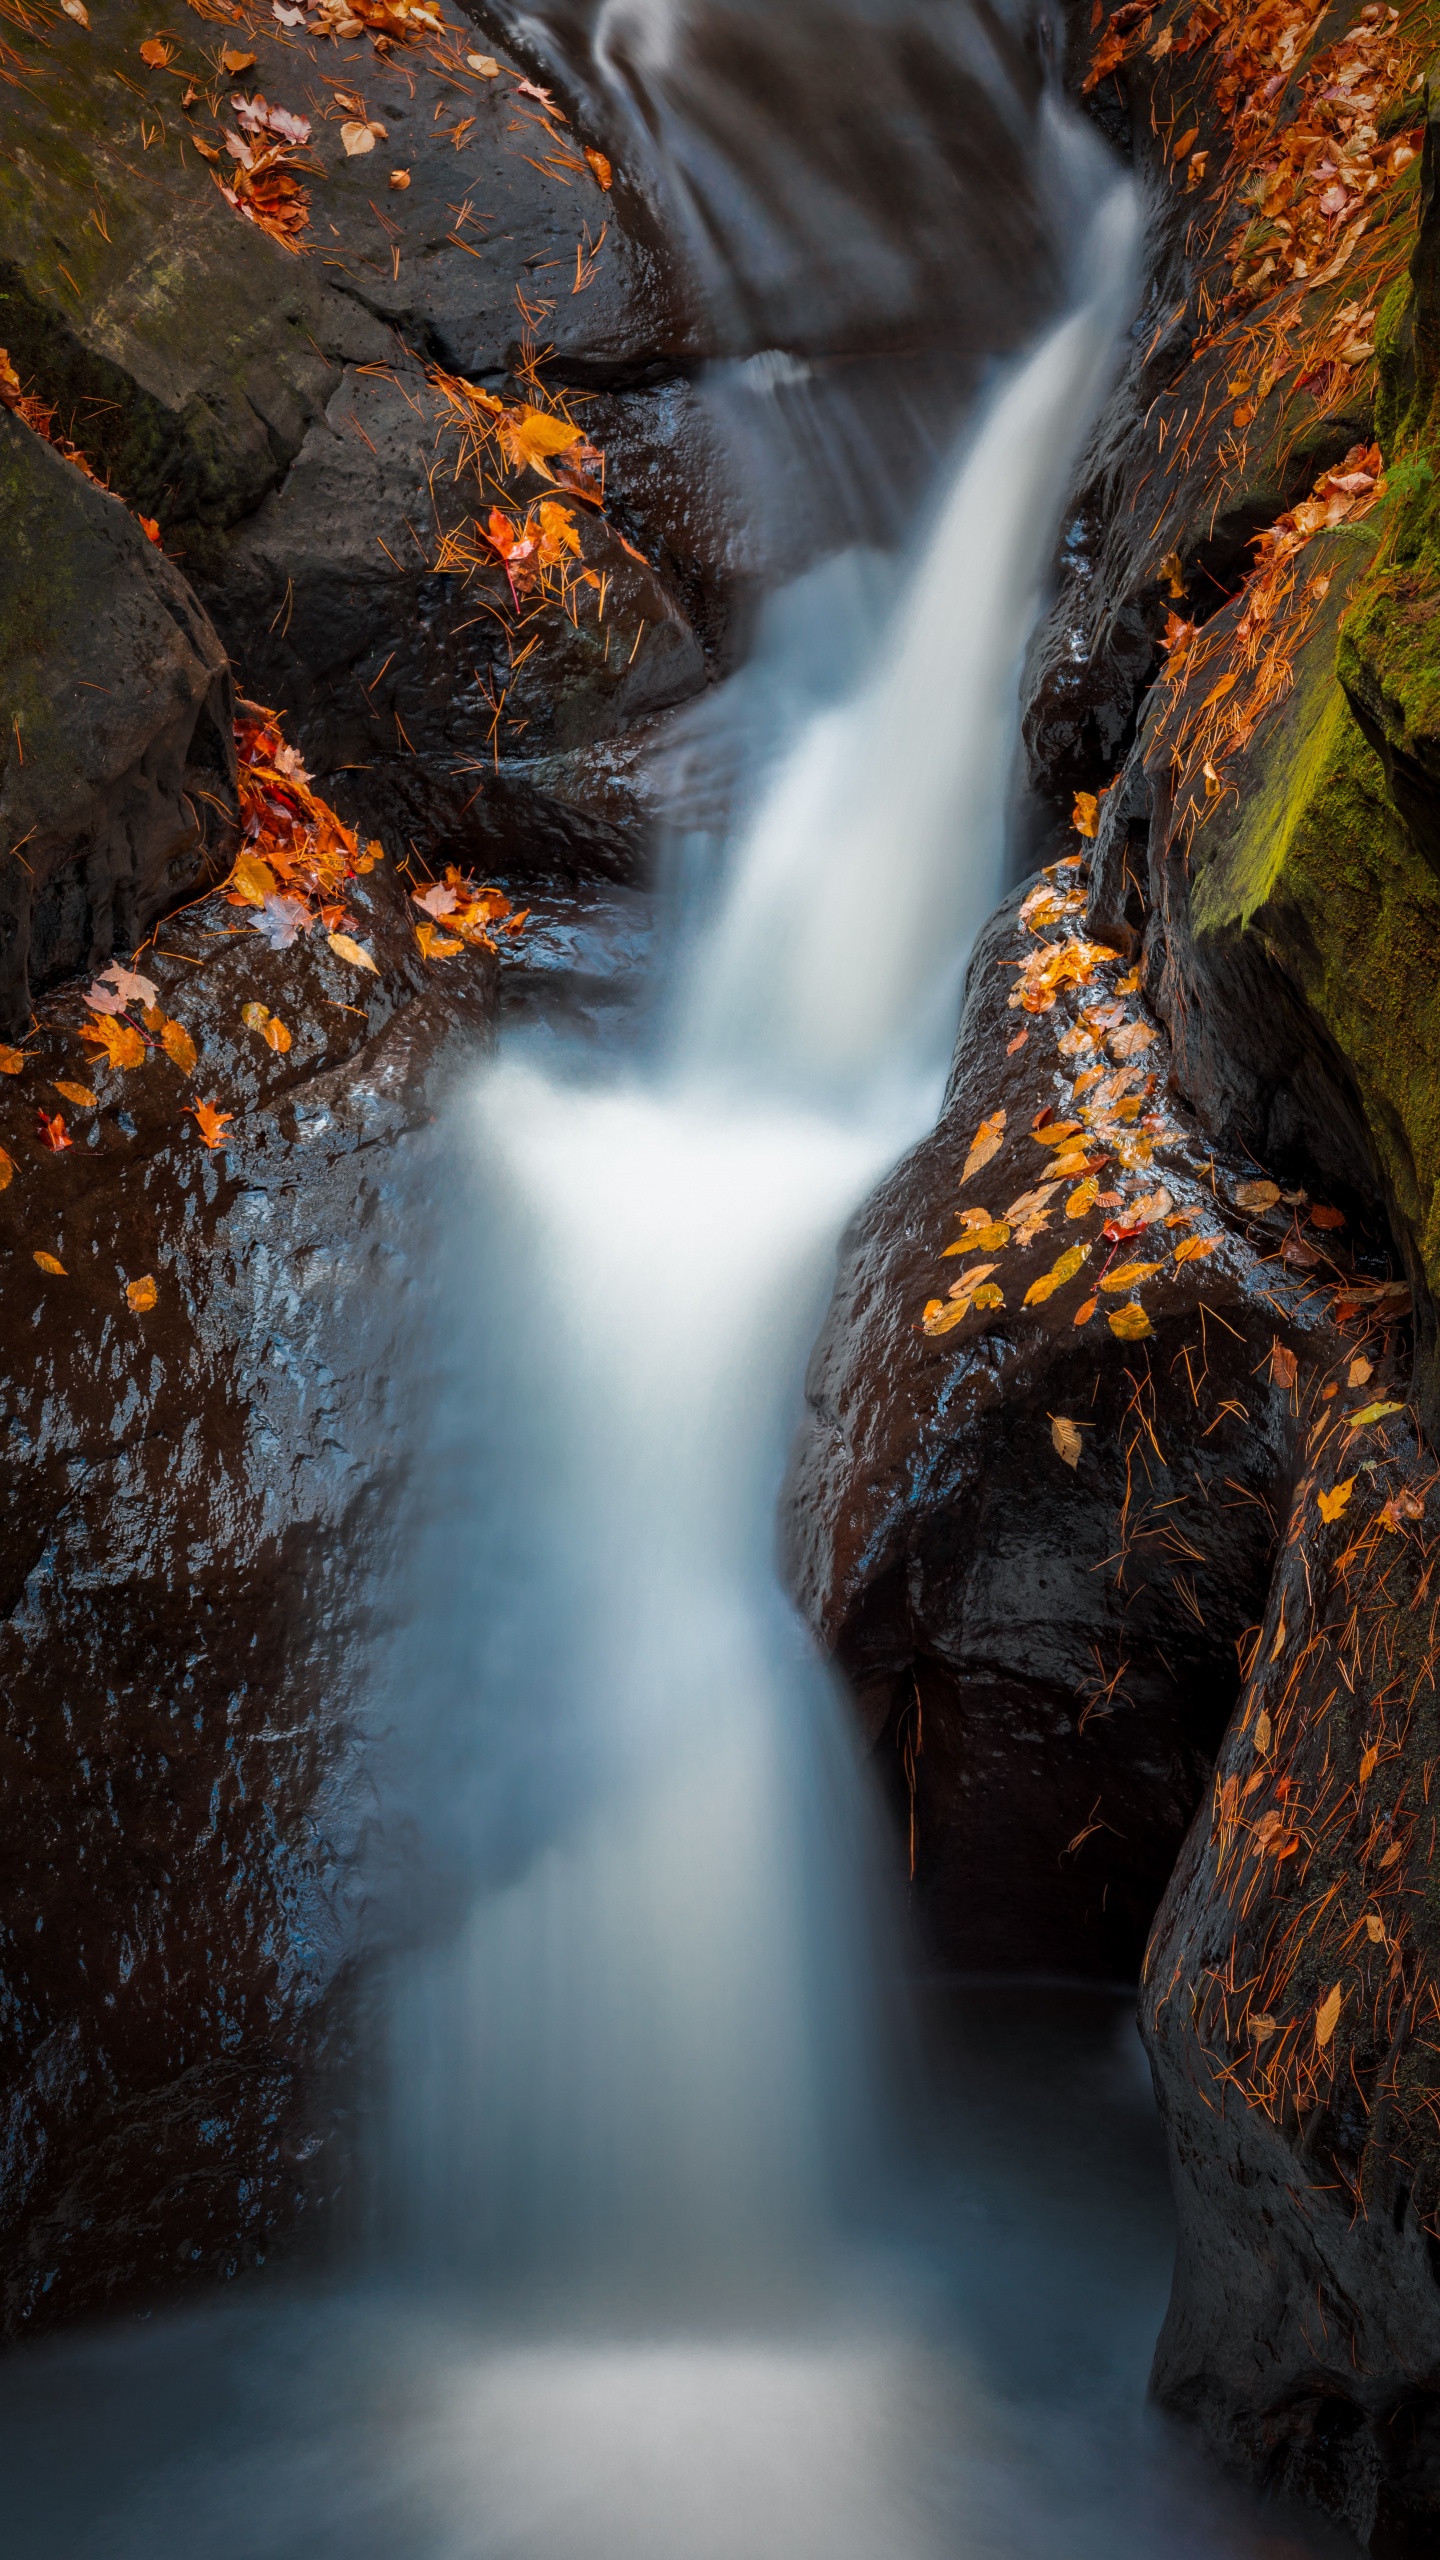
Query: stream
(700, 2224)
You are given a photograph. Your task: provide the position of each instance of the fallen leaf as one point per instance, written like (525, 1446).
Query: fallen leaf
(80, 1093)
(484, 63)
(1264, 1731)
(969, 1281)
(251, 882)
(1284, 1368)
(1357, 1421)
(1262, 2029)
(437, 945)
(1084, 815)
(530, 436)
(1374, 1929)
(527, 89)
(601, 167)
(116, 987)
(178, 1046)
(140, 1295)
(1127, 1274)
(1332, 1504)
(1256, 1195)
(120, 1041)
(47, 1262)
(275, 1035)
(52, 1131)
(1321, 1216)
(1031, 1201)
(1131, 1323)
(1064, 1269)
(210, 1122)
(1131, 1038)
(1360, 1372)
(1148, 1212)
(1017, 1043)
(7, 1170)
(1368, 1759)
(282, 921)
(1056, 1133)
(77, 10)
(356, 137)
(1084, 1312)
(157, 53)
(1084, 1198)
(1401, 1506)
(11, 1060)
(1065, 1439)
(979, 1239)
(1195, 1248)
(236, 61)
(1327, 2015)
(399, 179)
(345, 947)
(986, 1143)
(988, 1295)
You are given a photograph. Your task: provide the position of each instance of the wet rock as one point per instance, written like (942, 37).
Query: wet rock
(117, 777)
(197, 1497)
(1043, 1651)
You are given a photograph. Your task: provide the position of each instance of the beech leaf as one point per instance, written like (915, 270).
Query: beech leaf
(1130, 1322)
(1328, 2014)
(986, 1143)
(345, 947)
(1127, 1275)
(1062, 1270)
(1084, 1198)
(1065, 1439)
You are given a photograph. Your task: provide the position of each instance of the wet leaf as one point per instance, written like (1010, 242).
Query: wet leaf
(399, 180)
(527, 89)
(1374, 1929)
(1084, 1198)
(601, 168)
(251, 882)
(1262, 2029)
(1195, 1248)
(1131, 1323)
(969, 1280)
(1264, 1733)
(1148, 1212)
(345, 947)
(1368, 1759)
(985, 1144)
(1401, 1506)
(11, 1060)
(435, 944)
(1084, 1312)
(1330, 1505)
(282, 921)
(77, 10)
(52, 1131)
(1131, 1038)
(1256, 1195)
(235, 61)
(988, 1295)
(530, 436)
(1065, 1439)
(1085, 814)
(140, 1295)
(1360, 1372)
(80, 1093)
(210, 1122)
(1127, 1275)
(356, 138)
(254, 1016)
(1328, 2014)
(1321, 1216)
(1055, 1133)
(157, 53)
(178, 1046)
(1062, 1270)
(484, 63)
(1030, 1202)
(275, 1035)
(48, 1262)
(1284, 1368)
(116, 987)
(121, 1042)
(1357, 1422)
(7, 1170)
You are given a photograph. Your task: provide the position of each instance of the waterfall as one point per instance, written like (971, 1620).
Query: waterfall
(643, 2061)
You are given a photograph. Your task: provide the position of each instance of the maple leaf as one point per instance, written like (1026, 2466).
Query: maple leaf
(210, 1122)
(140, 1295)
(987, 1142)
(52, 1131)
(282, 921)
(345, 947)
(120, 1040)
(438, 900)
(1330, 1505)
(116, 987)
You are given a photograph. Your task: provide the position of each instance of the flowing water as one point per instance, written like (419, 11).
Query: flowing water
(663, 2261)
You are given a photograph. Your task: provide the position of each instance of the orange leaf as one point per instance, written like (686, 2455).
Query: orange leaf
(601, 167)
(435, 944)
(1064, 1269)
(1127, 1274)
(7, 1171)
(210, 1122)
(120, 1040)
(11, 1060)
(1195, 1248)
(157, 53)
(1328, 2014)
(1084, 1313)
(1284, 1368)
(79, 1093)
(178, 1046)
(986, 1143)
(1332, 1504)
(275, 1035)
(1084, 1198)
(1256, 1195)
(47, 1262)
(53, 1132)
(1368, 1759)
(234, 60)
(140, 1295)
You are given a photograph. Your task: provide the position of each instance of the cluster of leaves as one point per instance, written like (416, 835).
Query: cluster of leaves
(298, 856)
(1256, 652)
(459, 913)
(262, 187)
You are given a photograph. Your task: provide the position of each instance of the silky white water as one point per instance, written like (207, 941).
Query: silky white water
(641, 2070)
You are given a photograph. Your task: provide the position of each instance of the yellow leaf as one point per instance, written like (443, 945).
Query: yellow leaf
(969, 1280)
(1055, 1133)
(1262, 2029)
(251, 882)
(1327, 2015)
(1131, 1323)
(1332, 1504)
(1374, 1929)
(121, 1042)
(1358, 1421)
(530, 436)
(1064, 1269)
(1359, 1373)
(80, 1093)
(986, 1143)
(1256, 1195)
(1195, 1248)
(345, 947)
(986, 1239)
(47, 1262)
(1149, 1211)
(254, 1016)
(1084, 1198)
(1065, 1439)
(1086, 811)
(1368, 1759)
(1263, 1732)
(1126, 1274)
(988, 1296)
(435, 944)
(7, 1171)
(178, 1046)
(275, 1035)
(141, 1295)
(941, 1314)
(11, 1060)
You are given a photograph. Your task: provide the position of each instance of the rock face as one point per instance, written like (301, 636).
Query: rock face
(194, 1491)
(117, 775)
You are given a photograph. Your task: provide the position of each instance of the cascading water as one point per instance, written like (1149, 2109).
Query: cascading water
(644, 2055)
